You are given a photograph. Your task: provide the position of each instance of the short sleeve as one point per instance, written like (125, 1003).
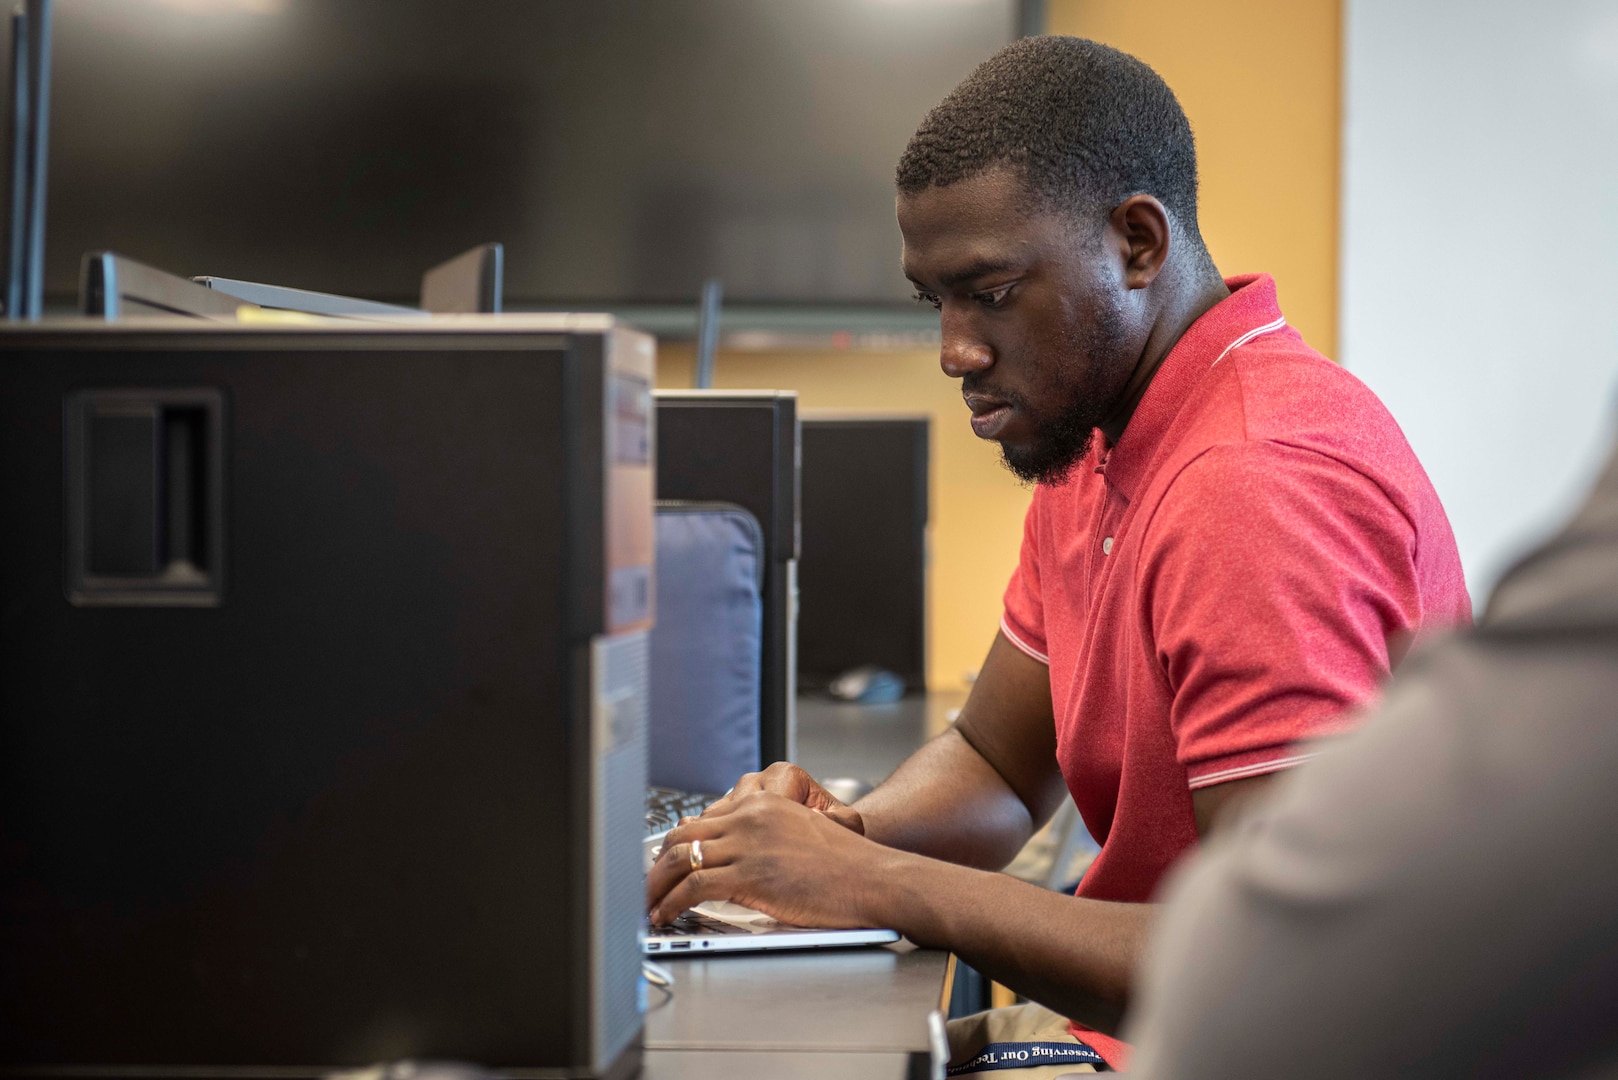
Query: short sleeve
(1023, 622)
(1275, 582)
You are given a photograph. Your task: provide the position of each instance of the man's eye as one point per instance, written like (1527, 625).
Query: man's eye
(928, 298)
(993, 297)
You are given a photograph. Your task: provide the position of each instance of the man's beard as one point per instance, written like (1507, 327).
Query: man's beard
(1063, 439)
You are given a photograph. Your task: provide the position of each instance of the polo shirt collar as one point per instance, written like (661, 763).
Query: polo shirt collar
(1250, 310)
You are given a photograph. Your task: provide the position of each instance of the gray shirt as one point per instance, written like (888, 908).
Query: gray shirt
(1437, 894)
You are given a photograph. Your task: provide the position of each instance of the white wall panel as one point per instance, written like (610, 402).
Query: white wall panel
(1480, 249)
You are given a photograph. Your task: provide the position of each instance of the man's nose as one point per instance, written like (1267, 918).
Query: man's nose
(962, 351)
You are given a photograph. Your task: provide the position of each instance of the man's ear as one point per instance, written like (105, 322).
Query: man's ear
(1142, 227)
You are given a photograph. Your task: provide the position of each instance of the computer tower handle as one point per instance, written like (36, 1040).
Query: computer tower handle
(145, 498)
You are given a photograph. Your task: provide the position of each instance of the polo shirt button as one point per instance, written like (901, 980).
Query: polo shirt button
(1106, 546)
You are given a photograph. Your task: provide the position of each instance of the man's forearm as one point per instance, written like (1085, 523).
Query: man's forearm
(1073, 955)
(946, 802)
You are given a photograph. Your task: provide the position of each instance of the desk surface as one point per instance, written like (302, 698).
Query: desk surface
(868, 1000)
(773, 1065)
(730, 1064)
(867, 742)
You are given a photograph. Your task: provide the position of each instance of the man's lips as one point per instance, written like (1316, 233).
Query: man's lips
(989, 415)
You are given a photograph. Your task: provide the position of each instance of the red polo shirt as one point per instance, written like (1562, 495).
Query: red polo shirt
(1223, 582)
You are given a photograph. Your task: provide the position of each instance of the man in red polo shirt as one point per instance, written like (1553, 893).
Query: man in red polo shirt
(1230, 543)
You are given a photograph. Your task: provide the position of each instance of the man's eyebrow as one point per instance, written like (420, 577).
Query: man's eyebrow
(971, 272)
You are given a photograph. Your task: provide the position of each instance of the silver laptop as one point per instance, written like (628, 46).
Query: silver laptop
(720, 926)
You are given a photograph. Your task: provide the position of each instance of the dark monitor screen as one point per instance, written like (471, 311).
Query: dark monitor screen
(862, 576)
(622, 150)
(734, 446)
(742, 447)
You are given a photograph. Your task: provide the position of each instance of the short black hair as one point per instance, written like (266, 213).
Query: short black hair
(1086, 125)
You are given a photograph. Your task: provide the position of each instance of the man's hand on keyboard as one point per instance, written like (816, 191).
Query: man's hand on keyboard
(790, 782)
(775, 854)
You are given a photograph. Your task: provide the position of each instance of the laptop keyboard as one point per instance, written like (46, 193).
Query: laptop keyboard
(694, 922)
(666, 806)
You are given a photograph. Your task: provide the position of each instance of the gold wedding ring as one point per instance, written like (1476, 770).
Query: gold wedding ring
(696, 854)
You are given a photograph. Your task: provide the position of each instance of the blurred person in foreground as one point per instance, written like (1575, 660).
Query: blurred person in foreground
(1228, 544)
(1437, 895)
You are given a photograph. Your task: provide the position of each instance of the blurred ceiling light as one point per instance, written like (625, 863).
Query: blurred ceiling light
(223, 7)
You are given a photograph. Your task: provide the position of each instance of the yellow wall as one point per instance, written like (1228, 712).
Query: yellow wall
(1259, 80)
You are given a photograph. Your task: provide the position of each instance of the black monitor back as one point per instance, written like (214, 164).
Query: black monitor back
(863, 572)
(358, 776)
(741, 446)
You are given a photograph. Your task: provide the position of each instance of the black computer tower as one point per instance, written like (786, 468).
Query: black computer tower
(322, 696)
(741, 446)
